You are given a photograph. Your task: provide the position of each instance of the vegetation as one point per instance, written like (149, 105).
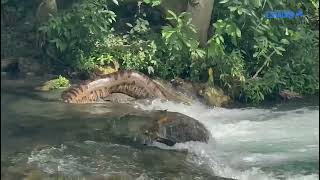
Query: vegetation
(249, 56)
(60, 82)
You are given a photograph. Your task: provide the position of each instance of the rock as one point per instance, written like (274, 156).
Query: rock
(29, 65)
(171, 127)
(214, 96)
(178, 128)
(182, 89)
(9, 65)
(46, 86)
(288, 95)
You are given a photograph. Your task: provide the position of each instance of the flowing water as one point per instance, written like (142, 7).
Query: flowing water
(82, 141)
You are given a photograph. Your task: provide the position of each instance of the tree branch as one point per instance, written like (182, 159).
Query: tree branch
(264, 64)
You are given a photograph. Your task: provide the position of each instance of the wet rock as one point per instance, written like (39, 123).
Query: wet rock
(183, 90)
(171, 127)
(288, 95)
(178, 128)
(9, 65)
(30, 66)
(214, 96)
(46, 86)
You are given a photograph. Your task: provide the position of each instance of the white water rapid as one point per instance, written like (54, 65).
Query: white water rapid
(254, 144)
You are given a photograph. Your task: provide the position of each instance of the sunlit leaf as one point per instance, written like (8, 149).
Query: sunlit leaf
(115, 2)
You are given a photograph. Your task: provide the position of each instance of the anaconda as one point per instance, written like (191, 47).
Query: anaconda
(131, 83)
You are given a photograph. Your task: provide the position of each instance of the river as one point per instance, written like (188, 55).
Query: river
(39, 132)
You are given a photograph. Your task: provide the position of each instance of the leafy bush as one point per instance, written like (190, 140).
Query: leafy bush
(60, 82)
(181, 46)
(250, 56)
(271, 55)
(76, 33)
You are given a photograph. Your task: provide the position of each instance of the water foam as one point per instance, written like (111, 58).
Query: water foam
(248, 140)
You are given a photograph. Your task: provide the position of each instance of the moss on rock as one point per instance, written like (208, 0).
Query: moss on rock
(214, 96)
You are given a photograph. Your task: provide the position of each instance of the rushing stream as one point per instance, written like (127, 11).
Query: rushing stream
(40, 132)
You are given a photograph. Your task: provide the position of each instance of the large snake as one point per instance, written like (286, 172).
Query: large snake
(132, 83)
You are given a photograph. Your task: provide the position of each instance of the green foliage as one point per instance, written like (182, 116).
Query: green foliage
(301, 70)
(60, 82)
(181, 46)
(12, 11)
(251, 57)
(152, 2)
(76, 33)
(271, 55)
(131, 50)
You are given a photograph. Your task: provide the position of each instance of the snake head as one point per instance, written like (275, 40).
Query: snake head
(155, 136)
(165, 141)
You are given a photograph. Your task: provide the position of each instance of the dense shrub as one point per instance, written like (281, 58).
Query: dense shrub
(250, 56)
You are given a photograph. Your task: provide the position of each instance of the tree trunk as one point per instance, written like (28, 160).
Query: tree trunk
(201, 11)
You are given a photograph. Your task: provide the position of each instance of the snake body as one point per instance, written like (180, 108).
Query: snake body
(131, 83)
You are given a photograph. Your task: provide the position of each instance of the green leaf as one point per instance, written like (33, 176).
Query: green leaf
(173, 14)
(278, 52)
(150, 69)
(238, 32)
(280, 48)
(256, 3)
(115, 2)
(232, 8)
(284, 41)
(223, 1)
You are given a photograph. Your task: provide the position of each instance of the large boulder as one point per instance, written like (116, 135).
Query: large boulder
(169, 128)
